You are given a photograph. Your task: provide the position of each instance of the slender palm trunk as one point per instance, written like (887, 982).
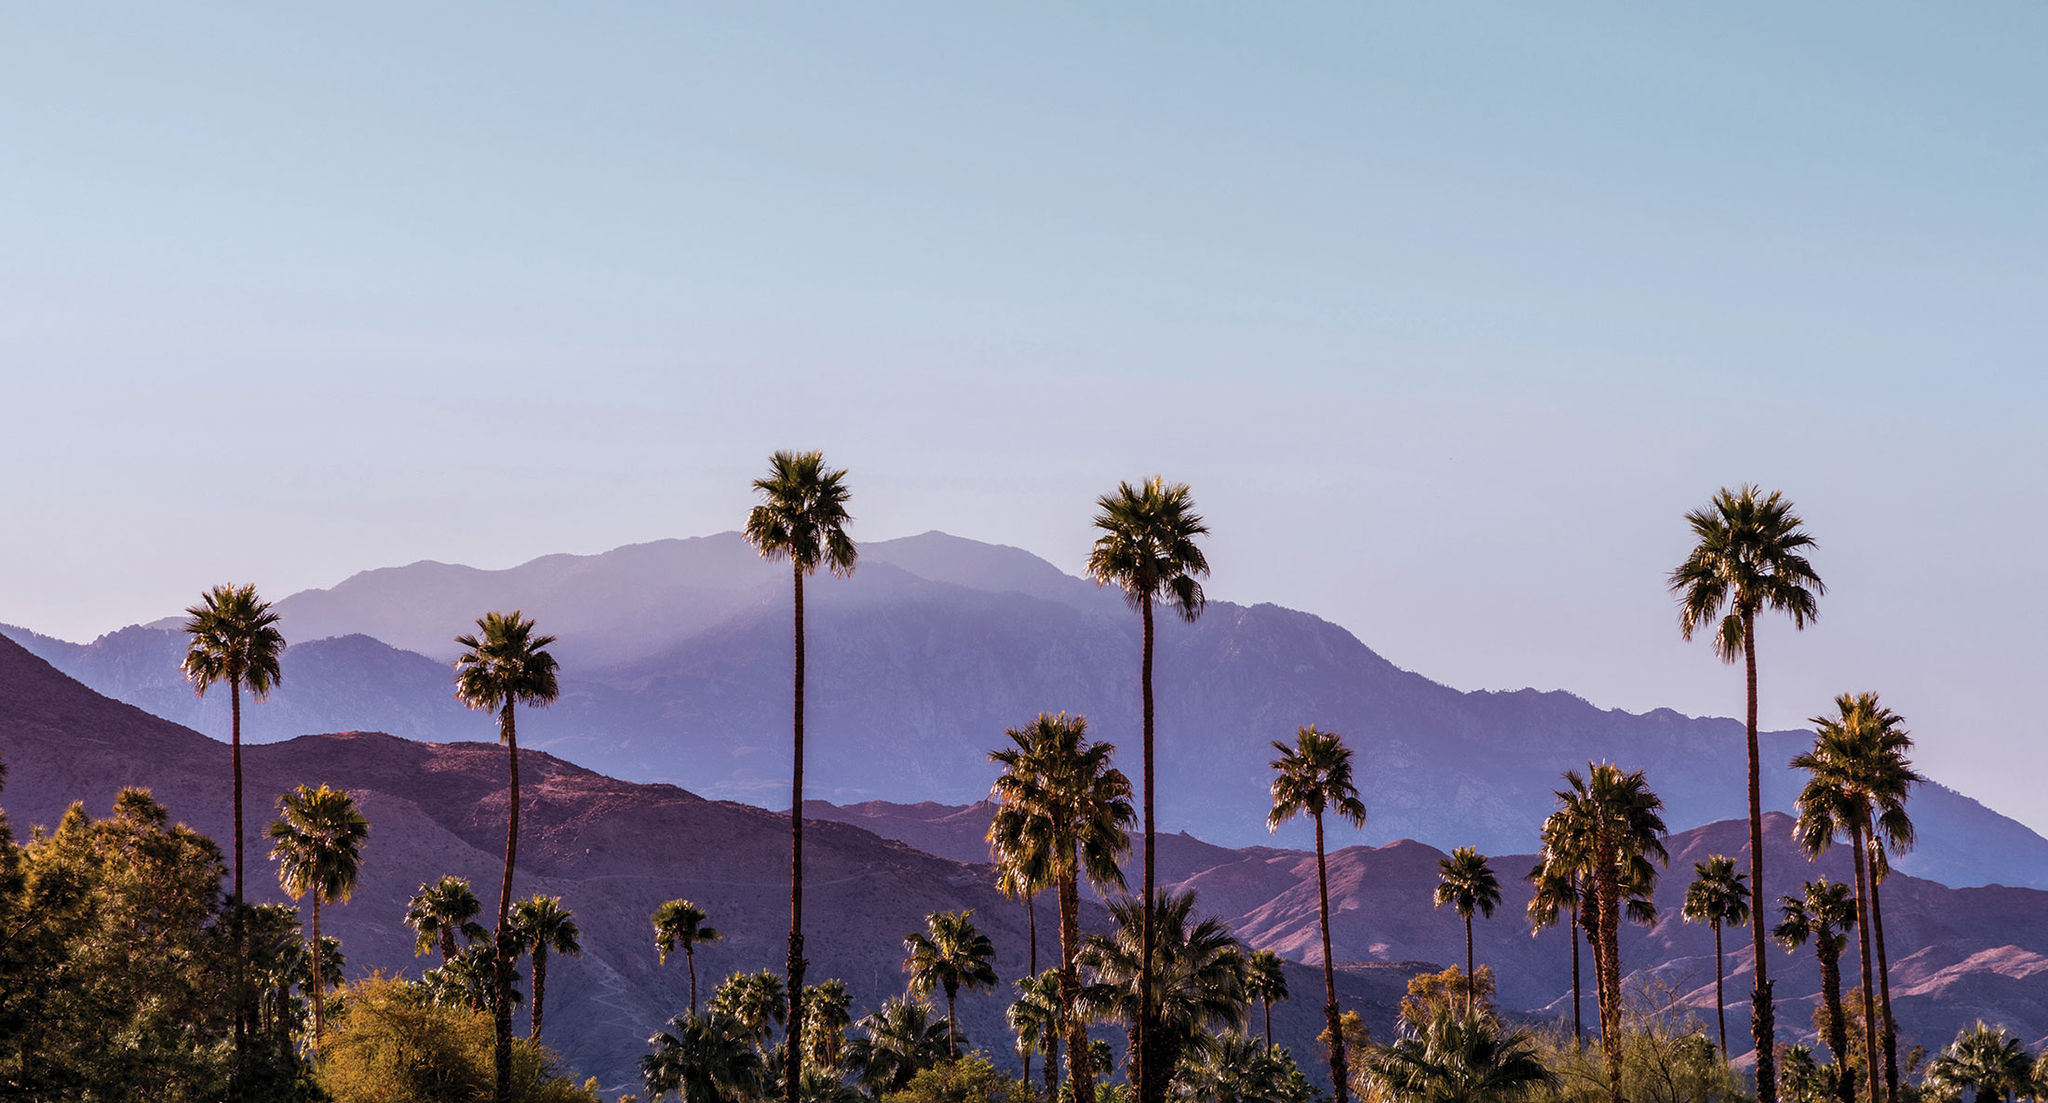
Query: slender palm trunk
(1141, 1069)
(1720, 1001)
(1079, 1073)
(1031, 934)
(1607, 966)
(1471, 980)
(1863, 952)
(540, 987)
(796, 963)
(952, 1029)
(690, 959)
(1578, 1031)
(1339, 1071)
(501, 973)
(319, 985)
(241, 978)
(1884, 990)
(1763, 1020)
(1267, 1002)
(1838, 1024)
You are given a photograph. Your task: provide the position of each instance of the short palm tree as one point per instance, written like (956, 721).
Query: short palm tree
(680, 924)
(1018, 877)
(951, 953)
(1988, 1061)
(543, 927)
(1750, 556)
(1148, 550)
(702, 1058)
(1557, 894)
(440, 911)
(896, 1042)
(1467, 884)
(802, 518)
(1311, 778)
(317, 843)
(1197, 978)
(1718, 897)
(756, 1002)
(1823, 914)
(502, 665)
(1265, 980)
(1858, 779)
(1034, 1016)
(828, 1012)
(1454, 1058)
(1063, 812)
(1608, 828)
(1239, 1069)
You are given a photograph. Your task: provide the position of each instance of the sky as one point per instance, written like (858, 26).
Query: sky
(1447, 313)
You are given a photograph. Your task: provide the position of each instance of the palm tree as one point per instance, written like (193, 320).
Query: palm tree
(1019, 878)
(1265, 980)
(1147, 549)
(1313, 777)
(681, 923)
(754, 1000)
(317, 843)
(1197, 979)
(829, 1012)
(1988, 1061)
(1607, 827)
(1034, 1016)
(1238, 1069)
(234, 640)
(1467, 884)
(895, 1043)
(1718, 897)
(1460, 1059)
(1062, 811)
(702, 1058)
(505, 664)
(1557, 892)
(1823, 915)
(951, 953)
(442, 910)
(802, 518)
(1858, 779)
(1750, 557)
(542, 926)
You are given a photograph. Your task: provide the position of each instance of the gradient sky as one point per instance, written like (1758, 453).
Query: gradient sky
(1447, 312)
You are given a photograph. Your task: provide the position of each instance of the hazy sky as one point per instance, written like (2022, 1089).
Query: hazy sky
(1447, 312)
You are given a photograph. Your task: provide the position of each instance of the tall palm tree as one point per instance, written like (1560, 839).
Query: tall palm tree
(1858, 779)
(1609, 829)
(1034, 1016)
(1147, 549)
(951, 953)
(502, 665)
(754, 1000)
(317, 843)
(542, 927)
(680, 923)
(1718, 897)
(234, 640)
(1749, 558)
(1557, 893)
(442, 910)
(1197, 978)
(1063, 812)
(1467, 884)
(1311, 778)
(702, 1058)
(802, 518)
(1823, 915)
(1460, 1059)
(1265, 980)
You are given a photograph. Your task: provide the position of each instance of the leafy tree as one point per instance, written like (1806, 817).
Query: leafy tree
(950, 954)
(1197, 979)
(680, 924)
(1750, 557)
(502, 665)
(1986, 1060)
(1148, 550)
(1460, 1059)
(704, 1059)
(971, 1079)
(1265, 980)
(442, 910)
(389, 1043)
(1314, 777)
(1823, 916)
(317, 843)
(1467, 884)
(1557, 892)
(542, 926)
(755, 1001)
(895, 1043)
(1062, 811)
(1718, 897)
(802, 518)
(1431, 993)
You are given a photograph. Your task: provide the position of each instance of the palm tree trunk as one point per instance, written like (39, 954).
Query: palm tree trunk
(1578, 1031)
(241, 978)
(1720, 1001)
(1863, 952)
(1470, 978)
(1607, 966)
(1884, 989)
(447, 944)
(952, 1028)
(1141, 1069)
(1079, 1074)
(1763, 1027)
(1338, 1066)
(1031, 929)
(540, 987)
(1267, 1002)
(319, 988)
(501, 972)
(795, 966)
(690, 958)
(1838, 1025)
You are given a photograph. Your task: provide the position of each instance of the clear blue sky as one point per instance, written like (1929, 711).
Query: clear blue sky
(1448, 312)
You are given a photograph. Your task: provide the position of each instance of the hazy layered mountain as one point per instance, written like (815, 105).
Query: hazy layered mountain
(676, 667)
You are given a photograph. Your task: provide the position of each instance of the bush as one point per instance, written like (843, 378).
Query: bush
(971, 1079)
(389, 1043)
